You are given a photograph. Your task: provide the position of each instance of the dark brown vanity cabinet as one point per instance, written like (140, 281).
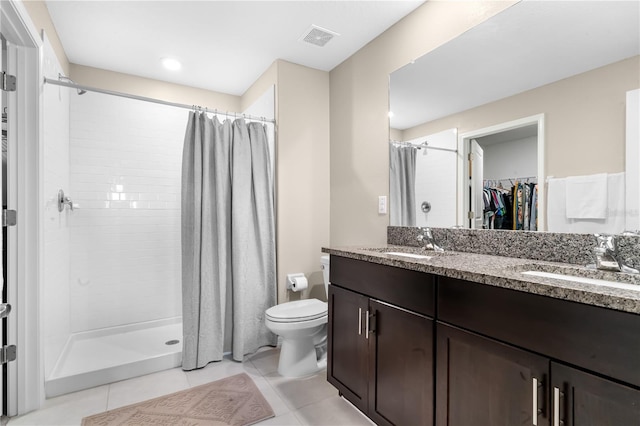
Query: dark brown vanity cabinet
(499, 356)
(380, 347)
(483, 382)
(580, 398)
(348, 343)
(506, 357)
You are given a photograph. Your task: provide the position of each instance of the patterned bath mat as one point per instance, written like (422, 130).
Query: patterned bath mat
(234, 400)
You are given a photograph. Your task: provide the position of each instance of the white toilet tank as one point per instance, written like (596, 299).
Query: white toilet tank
(324, 262)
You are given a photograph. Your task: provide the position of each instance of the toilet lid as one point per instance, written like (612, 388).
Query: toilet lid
(299, 310)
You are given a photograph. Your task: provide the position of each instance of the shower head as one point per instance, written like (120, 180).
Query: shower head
(63, 77)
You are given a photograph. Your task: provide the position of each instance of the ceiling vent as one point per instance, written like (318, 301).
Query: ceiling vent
(318, 36)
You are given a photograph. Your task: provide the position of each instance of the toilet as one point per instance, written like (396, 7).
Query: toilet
(302, 325)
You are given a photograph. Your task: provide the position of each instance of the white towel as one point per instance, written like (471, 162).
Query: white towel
(587, 197)
(556, 209)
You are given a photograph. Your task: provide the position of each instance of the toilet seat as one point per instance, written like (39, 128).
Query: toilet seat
(297, 311)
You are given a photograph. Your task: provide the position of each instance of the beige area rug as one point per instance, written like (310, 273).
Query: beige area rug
(234, 400)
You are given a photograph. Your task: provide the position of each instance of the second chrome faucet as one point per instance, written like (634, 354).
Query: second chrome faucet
(425, 236)
(607, 256)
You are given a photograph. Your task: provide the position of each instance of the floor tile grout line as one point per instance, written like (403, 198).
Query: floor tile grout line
(302, 423)
(285, 400)
(279, 395)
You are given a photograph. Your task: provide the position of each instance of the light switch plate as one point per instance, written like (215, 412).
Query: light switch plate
(382, 204)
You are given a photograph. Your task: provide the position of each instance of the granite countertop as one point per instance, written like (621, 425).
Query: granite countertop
(506, 272)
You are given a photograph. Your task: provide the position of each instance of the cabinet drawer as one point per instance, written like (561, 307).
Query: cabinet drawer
(598, 339)
(411, 290)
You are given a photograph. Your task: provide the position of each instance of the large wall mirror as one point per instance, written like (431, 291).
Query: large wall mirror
(529, 102)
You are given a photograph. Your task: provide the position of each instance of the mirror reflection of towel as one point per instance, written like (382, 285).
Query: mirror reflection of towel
(557, 220)
(587, 197)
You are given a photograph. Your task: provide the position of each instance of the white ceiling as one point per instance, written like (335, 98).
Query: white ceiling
(509, 135)
(223, 45)
(528, 45)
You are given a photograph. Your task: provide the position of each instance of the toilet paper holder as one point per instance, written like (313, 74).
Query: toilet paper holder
(291, 279)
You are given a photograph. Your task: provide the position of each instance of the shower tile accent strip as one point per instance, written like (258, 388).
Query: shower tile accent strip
(545, 246)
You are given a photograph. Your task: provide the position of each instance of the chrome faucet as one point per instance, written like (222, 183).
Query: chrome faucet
(607, 256)
(426, 237)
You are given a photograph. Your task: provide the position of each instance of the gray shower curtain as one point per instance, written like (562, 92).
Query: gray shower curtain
(228, 239)
(402, 184)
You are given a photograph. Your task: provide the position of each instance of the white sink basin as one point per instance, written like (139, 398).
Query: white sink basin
(411, 255)
(576, 279)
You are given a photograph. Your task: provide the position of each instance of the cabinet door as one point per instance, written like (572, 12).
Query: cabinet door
(401, 366)
(480, 381)
(347, 345)
(580, 398)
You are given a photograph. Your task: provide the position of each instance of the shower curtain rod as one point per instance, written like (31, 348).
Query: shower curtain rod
(424, 145)
(156, 101)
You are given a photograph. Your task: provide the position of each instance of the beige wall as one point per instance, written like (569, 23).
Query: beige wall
(359, 105)
(156, 89)
(262, 84)
(584, 119)
(302, 176)
(42, 21)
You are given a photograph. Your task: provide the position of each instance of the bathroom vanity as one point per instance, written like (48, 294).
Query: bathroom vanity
(462, 338)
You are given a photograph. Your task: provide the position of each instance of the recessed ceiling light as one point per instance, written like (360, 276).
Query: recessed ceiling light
(171, 64)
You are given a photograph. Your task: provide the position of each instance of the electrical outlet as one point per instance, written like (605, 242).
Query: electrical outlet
(382, 204)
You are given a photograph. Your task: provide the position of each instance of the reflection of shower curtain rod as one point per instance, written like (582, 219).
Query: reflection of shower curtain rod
(157, 101)
(425, 145)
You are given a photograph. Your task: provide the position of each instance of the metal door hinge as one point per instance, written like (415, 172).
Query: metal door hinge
(470, 215)
(9, 218)
(7, 354)
(8, 82)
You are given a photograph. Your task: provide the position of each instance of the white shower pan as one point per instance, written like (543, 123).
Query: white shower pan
(103, 356)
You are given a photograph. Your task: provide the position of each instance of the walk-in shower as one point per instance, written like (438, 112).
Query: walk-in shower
(112, 296)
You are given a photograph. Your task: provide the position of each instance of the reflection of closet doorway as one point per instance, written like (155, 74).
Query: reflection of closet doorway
(508, 152)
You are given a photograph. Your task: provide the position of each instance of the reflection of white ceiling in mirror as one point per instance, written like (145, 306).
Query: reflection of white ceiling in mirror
(530, 44)
(509, 135)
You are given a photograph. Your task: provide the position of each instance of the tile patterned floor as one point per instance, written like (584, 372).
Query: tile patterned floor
(304, 401)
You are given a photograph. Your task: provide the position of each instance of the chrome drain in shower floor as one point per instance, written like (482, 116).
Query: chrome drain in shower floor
(172, 342)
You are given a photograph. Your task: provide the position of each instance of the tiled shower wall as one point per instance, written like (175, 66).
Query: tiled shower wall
(125, 164)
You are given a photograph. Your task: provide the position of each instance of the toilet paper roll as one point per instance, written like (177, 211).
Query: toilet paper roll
(299, 284)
